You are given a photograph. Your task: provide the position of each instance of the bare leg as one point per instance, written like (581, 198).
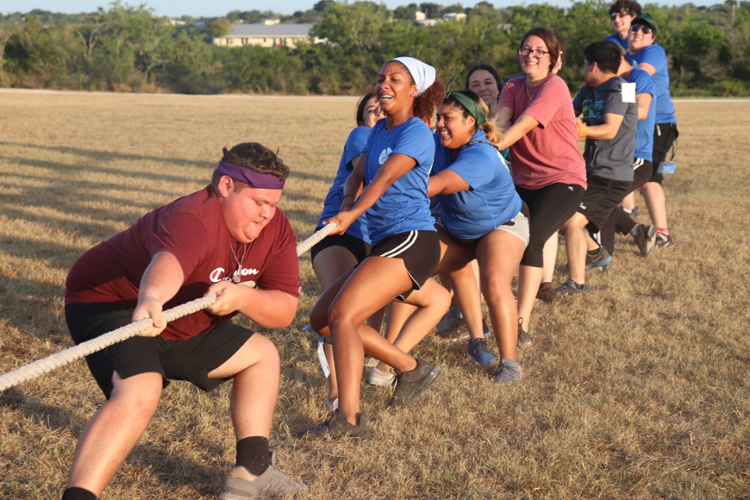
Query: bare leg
(256, 371)
(529, 279)
(115, 429)
(499, 254)
(576, 242)
(550, 256)
(466, 291)
(628, 203)
(656, 201)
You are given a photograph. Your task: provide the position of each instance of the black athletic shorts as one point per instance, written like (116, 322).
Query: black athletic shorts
(420, 251)
(191, 359)
(358, 248)
(665, 134)
(600, 199)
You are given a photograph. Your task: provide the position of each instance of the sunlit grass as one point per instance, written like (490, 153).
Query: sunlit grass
(638, 390)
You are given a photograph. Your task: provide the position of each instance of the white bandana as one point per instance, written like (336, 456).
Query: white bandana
(423, 74)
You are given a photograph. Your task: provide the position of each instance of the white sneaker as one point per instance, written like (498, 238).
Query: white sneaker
(382, 379)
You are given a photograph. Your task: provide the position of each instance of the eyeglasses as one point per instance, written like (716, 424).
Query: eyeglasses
(646, 29)
(622, 13)
(538, 53)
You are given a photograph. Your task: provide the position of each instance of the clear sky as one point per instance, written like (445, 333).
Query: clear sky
(215, 8)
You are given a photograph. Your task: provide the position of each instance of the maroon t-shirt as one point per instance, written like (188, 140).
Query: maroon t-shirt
(191, 229)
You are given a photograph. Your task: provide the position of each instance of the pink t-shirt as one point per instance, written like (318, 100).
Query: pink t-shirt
(193, 230)
(548, 154)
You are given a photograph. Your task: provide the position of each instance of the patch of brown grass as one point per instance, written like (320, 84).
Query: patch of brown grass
(638, 390)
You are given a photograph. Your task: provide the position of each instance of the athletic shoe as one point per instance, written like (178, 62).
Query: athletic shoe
(662, 243)
(633, 214)
(570, 287)
(409, 385)
(479, 352)
(240, 484)
(546, 293)
(507, 373)
(523, 337)
(332, 404)
(380, 378)
(338, 427)
(645, 238)
(601, 259)
(448, 327)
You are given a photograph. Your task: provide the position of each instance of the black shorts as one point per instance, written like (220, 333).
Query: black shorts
(357, 247)
(420, 251)
(191, 359)
(644, 170)
(665, 135)
(600, 199)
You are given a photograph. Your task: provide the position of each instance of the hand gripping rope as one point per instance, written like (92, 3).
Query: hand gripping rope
(83, 349)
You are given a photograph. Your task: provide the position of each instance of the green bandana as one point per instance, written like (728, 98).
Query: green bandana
(471, 106)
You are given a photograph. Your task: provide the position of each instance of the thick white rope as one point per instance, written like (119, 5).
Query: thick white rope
(83, 349)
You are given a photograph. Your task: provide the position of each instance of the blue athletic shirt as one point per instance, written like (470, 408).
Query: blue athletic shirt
(656, 57)
(354, 146)
(616, 38)
(405, 205)
(644, 137)
(491, 200)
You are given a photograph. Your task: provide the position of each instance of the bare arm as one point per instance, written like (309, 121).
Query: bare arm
(395, 167)
(644, 102)
(647, 68)
(608, 129)
(523, 126)
(446, 182)
(160, 282)
(267, 308)
(503, 117)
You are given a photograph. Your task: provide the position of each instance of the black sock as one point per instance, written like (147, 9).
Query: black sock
(253, 454)
(78, 494)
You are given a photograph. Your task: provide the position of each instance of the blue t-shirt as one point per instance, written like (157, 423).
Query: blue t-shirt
(616, 38)
(354, 146)
(405, 205)
(492, 199)
(656, 57)
(644, 137)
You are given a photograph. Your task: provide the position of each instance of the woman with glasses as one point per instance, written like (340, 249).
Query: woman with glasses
(622, 14)
(548, 170)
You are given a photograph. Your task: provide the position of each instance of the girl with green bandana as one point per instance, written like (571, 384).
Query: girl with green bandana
(481, 217)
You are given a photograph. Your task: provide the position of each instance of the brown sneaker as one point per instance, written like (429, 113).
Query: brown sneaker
(450, 327)
(338, 427)
(546, 293)
(409, 385)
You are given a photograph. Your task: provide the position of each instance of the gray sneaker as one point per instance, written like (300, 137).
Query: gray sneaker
(507, 373)
(240, 484)
(449, 327)
(409, 385)
(645, 238)
(338, 427)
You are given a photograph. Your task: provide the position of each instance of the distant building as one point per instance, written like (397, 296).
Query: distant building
(427, 22)
(454, 16)
(265, 35)
(419, 16)
(270, 21)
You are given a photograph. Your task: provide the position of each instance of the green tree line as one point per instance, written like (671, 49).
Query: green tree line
(126, 48)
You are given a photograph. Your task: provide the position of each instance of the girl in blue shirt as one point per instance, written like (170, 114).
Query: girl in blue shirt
(480, 218)
(389, 182)
(336, 254)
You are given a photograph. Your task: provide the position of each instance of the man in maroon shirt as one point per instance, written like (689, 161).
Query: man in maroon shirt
(208, 242)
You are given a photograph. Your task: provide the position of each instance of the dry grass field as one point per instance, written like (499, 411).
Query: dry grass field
(638, 390)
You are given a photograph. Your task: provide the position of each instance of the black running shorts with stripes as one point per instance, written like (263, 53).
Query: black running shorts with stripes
(420, 251)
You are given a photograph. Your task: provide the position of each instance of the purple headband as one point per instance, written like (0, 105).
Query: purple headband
(255, 179)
